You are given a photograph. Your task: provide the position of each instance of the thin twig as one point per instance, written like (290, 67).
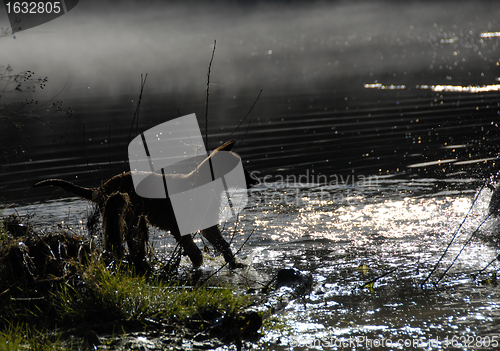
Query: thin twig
(225, 264)
(375, 279)
(235, 228)
(462, 249)
(175, 255)
(489, 264)
(207, 95)
(244, 243)
(243, 120)
(17, 114)
(136, 114)
(244, 135)
(454, 236)
(52, 98)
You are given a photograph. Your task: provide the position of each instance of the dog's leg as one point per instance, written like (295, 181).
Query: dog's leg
(190, 249)
(214, 236)
(186, 241)
(115, 226)
(160, 213)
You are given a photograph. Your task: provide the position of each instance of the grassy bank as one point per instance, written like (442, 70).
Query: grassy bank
(59, 291)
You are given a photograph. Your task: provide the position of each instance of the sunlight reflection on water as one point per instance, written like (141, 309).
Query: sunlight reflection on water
(392, 232)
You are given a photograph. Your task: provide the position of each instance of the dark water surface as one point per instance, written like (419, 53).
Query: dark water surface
(371, 144)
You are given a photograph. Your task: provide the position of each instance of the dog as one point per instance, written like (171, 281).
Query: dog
(158, 211)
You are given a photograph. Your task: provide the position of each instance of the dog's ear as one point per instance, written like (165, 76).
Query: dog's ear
(227, 146)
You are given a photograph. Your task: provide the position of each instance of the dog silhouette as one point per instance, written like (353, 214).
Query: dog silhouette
(158, 211)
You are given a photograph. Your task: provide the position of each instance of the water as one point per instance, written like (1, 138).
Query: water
(350, 244)
(370, 142)
(346, 236)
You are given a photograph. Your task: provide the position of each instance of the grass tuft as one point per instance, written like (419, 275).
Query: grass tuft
(24, 337)
(111, 295)
(59, 287)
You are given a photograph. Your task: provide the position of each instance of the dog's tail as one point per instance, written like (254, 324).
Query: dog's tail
(86, 193)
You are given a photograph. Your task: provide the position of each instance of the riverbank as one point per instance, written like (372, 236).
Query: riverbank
(59, 290)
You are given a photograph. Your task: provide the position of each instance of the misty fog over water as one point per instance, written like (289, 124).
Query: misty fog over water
(103, 47)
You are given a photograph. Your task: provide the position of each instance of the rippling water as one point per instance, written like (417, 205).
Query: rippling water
(370, 144)
(395, 234)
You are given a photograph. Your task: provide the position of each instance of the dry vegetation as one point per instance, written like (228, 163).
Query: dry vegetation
(57, 290)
